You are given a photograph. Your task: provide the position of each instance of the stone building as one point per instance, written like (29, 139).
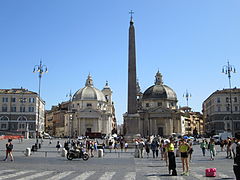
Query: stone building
(92, 111)
(221, 111)
(153, 112)
(19, 112)
(159, 112)
(55, 119)
(192, 122)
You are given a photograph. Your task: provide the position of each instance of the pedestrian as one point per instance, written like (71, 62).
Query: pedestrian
(58, 146)
(121, 145)
(9, 148)
(171, 158)
(222, 145)
(110, 143)
(126, 146)
(153, 147)
(233, 148)
(162, 149)
(66, 146)
(147, 148)
(183, 148)
(211, 147)
(157, 148)
(91, 148)
(190, 151)
(141, 147)
(203, 146)
(229, 152)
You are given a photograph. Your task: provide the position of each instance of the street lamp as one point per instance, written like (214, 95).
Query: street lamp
(228, 69)
(69, 115)
(187, 95)
(40, 69)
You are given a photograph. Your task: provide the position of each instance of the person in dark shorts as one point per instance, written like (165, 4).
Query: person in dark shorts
(9, 148)
(184, 148)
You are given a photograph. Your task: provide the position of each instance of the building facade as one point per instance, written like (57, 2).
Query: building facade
(159, 111)
(89, 111)
(19, 110)
(153, 112)
(192, 122)
(92, 110)
(222, 113)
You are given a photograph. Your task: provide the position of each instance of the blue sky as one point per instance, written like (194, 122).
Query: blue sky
(188, 41)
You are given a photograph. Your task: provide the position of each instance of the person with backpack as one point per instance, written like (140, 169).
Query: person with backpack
(9, 148)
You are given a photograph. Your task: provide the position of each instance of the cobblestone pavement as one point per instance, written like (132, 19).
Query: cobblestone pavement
(114, 165)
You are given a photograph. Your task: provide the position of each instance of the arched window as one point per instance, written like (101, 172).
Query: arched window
(21, 118)
(4, 122)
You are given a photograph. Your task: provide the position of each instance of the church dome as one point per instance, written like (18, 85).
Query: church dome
(159, 90)
(89, 92)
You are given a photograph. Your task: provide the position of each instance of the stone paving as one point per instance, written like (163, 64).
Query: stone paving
(115, 165)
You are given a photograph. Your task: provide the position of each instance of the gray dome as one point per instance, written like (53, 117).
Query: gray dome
(159, 92)
(89, 92)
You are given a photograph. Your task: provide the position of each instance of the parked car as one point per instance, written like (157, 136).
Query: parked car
(216, 139)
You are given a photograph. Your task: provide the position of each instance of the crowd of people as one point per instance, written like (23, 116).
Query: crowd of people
(183, 148)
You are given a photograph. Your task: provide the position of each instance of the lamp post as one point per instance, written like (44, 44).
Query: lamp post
(69, 115)
(40, 69)
(228, 69)
(187, 95)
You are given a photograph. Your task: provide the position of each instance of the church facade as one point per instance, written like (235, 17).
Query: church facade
(92, 111)
(159, 111)
(154, 112)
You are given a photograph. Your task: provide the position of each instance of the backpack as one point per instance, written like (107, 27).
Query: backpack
(9, 146)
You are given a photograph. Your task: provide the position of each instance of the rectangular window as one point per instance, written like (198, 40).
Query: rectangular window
(227, 99)
(4, 108)
(147, 104)
(4, 99)
(30, 109)
(31, 100)
(218, 100)
(13, 109)
(219, 109)
(22, 109)
(3, 126)
(13, 99)
(159, 103)
(235, 99)
(236, 108)
(227, 108)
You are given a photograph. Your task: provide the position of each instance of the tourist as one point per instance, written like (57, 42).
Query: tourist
(203, 146)
(190, 151)
(126, 146)
(153, 147)
(141, 147)
(9, 148)
(147, 148)
(184, 148)
(171, 158)
(211, 147)
(58, 146)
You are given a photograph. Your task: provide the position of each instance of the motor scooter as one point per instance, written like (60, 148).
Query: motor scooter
(77, 153)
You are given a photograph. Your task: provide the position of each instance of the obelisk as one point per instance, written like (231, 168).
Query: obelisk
(132, 81)
(131, 118)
